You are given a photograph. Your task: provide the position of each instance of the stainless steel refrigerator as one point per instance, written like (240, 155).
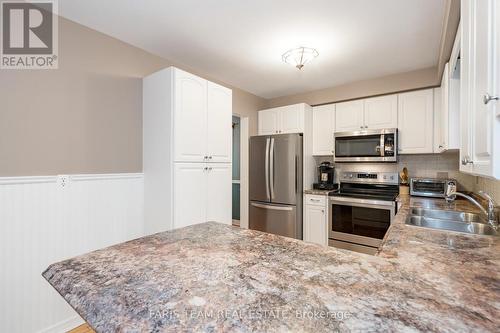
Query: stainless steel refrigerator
(276, 184)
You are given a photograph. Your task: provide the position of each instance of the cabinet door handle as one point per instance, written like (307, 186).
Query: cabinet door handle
(466, 160)
(314, 200)
(322, 210)
(487, 98)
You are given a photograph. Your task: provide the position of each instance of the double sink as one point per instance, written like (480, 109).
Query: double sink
(469, 223)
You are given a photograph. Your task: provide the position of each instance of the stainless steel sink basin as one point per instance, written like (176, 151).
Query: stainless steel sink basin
(449, 220)
(447, 215)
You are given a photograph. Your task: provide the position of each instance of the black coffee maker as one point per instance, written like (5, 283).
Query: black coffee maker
(326, 173)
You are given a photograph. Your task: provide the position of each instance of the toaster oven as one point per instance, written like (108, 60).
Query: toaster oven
(429, 187)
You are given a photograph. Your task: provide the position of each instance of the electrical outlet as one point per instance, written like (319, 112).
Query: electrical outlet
(62, 180)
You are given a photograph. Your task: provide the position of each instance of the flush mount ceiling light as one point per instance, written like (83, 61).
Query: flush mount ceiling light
(300, 56)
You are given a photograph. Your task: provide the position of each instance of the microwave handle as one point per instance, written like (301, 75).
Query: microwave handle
(382, 145)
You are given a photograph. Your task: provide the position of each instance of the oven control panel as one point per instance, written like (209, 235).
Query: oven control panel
(369, 177)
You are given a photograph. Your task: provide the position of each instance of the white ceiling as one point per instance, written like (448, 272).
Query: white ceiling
(240, 42)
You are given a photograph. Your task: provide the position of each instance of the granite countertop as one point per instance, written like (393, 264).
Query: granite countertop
(213, 277)
(318, 192)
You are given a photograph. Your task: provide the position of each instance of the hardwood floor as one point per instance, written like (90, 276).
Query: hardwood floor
(82, 329)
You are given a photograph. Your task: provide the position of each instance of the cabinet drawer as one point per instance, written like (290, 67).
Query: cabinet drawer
(316, 200)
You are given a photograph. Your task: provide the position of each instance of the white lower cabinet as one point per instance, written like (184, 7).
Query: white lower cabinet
(219, 193)
(202, 193)
(315, 222)
(190, 186)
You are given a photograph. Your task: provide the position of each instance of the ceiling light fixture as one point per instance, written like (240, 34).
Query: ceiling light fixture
(300, 56)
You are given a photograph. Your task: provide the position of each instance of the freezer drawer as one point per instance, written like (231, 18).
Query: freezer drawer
(275, 219)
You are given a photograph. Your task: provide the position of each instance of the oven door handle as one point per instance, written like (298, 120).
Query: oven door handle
(381, 204)
(382, 145)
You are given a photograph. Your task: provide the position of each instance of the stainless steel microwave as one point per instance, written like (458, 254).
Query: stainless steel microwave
(366, 146)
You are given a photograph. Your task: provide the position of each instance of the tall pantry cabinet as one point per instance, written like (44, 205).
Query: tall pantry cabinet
(187, 150)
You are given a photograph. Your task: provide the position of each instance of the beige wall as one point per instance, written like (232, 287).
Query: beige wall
(384, 85)
(85, 117)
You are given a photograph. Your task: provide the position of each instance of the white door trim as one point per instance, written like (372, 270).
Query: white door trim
(244, 195)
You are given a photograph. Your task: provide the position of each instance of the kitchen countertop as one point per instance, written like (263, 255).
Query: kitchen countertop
(318, 192)
(213, 277)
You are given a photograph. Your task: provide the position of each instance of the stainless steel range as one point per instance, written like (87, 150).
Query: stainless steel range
(362, 210)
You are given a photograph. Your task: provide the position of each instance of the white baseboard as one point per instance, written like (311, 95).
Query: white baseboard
(64, 326)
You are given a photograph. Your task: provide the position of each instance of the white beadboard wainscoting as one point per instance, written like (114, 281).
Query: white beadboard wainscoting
(47, 219)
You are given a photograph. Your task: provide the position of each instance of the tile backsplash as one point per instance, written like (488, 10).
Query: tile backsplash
(429, 165)
(491, 186)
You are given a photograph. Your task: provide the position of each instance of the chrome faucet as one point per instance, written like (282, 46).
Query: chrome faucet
(451, 194)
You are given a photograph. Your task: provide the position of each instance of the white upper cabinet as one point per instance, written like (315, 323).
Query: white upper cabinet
(415, 122)
(282, 120)
(349, 116)
(292, 119)
(190, 117)
(268, 121)
(219, 129)
(440, 126)
(370, 113)
(381, 112)
(446, 111)
(323, 129)
(202, 120)
(480, 110)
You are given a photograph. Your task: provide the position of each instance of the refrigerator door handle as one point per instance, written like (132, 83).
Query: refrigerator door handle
(271, 168)
(271, 207)
(296, 173)
(267, 168)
